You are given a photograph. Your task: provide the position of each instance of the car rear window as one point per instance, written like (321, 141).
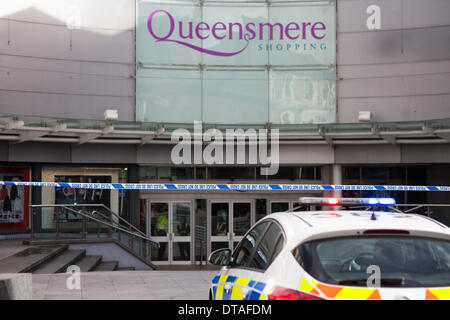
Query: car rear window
(402, 261)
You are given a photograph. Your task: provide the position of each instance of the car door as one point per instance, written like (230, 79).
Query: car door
(246, 276)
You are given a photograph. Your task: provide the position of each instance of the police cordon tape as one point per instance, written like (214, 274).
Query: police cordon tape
(222, 187)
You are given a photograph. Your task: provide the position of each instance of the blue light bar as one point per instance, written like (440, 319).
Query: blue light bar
(380, 201)
(386, 201)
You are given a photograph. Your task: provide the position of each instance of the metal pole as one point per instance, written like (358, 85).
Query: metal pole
(32, 224)
(84, 228)
(57, 220)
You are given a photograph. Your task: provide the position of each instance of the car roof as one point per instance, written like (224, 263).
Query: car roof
(308, 225)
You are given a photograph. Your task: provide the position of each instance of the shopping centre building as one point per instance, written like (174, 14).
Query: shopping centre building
(351, 104)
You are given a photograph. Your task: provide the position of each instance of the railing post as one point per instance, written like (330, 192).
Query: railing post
(84, 228)
(111, 222)
(130, 241)
(58, 213)
(32, 224)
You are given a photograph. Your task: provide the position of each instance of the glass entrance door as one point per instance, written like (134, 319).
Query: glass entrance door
(180, 237)
(228, 221)
(170, 224)
(219, 225)
(158, 228)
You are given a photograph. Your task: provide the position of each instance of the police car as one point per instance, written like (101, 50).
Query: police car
(367, 253)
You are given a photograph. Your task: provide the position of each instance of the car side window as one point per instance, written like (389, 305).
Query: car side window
(243, 253)
(268, 248)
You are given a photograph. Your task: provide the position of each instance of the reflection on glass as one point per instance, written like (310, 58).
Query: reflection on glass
(243, 253)
(279, 206)
(181, 251)
(261, 208)
(241, 218)
(159, 219)
(238, 97)
(155, 98)
(160, 254)
(200, 230)
(262, 256)
(219, 219)
(181, 218)
(302, 96)
(218, 245)
(220, 258)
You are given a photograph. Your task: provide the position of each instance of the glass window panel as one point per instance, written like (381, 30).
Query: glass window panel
(318, 173)
(200, 173)
(151, 172)
(156, 101)
(279, 206)
(219, 219)
(302, 96)
(237, 14)
(181, 219)
(242, 255)
(307, 173)
(159, 219)
(241, 218)
(148, 50)
(262, 255)
(182, 251)
(351, 173)
(231, 173)
(261, 208)
(181, 173)
(235, 97)
(289, 173)
(299, 51)
(163, 172)
(161, 253)
(278, 248)
(200, 230)
(218, 245)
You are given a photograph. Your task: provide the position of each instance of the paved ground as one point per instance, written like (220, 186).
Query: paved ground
(10, 247)
(123, 285)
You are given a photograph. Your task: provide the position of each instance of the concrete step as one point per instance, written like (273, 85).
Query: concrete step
(107, 266)
(126, 269)
(30, 258)
(61, 262)
(88, 263)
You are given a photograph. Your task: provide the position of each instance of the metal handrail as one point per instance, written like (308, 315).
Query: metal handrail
(91, 205)
(138, 234)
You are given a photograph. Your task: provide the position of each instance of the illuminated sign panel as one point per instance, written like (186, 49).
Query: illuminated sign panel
(236, 63)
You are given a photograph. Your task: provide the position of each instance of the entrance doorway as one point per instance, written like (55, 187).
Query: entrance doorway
(228, 221)
(171, 224)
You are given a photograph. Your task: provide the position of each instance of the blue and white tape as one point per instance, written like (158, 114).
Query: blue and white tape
(222, 187)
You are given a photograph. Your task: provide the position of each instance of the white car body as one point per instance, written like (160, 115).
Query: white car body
(301, 227)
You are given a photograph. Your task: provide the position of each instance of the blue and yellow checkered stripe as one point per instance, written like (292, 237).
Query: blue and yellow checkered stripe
(255, 289)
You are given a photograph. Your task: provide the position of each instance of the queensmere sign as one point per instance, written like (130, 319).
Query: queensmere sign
(220, 30)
